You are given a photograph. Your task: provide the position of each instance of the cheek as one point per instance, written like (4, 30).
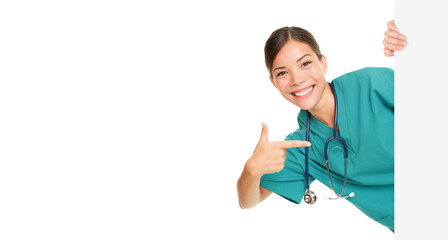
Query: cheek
(282, 85)
(316, 74)
(314, 71)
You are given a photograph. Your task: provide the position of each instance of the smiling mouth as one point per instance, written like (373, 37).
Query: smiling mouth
(304, 92)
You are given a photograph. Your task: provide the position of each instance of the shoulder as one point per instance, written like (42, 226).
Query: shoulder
(376, 75)
(370, 79)
(373, 71)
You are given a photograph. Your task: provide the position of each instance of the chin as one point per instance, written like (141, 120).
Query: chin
(302, 105)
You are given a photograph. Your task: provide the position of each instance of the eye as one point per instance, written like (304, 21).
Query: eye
(280, 74)
(306, 64)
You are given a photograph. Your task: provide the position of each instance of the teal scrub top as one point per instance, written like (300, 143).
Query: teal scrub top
(366, 123)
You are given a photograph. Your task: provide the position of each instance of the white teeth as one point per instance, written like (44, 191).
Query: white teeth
(303, 93)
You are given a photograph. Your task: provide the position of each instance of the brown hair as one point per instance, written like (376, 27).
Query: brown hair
(281, 36)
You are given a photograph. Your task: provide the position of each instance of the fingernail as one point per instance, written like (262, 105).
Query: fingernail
(308, 144)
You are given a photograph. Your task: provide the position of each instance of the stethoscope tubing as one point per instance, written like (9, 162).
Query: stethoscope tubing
(334, 137)
(307, 173)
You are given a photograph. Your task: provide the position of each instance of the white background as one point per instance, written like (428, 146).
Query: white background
(133, 120)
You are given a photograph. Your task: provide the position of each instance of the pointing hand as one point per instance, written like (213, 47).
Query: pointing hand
(269, 157)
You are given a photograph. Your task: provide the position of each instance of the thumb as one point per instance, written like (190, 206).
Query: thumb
(264, 133)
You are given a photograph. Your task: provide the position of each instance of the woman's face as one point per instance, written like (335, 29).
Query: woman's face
(298, 74)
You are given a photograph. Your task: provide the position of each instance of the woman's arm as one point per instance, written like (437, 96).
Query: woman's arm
(250, 193)
(393, 40)
(268, 157)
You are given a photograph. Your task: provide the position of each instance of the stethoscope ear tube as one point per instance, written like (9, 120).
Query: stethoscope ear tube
(352, 194)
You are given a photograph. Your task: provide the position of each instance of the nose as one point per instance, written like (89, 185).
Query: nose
(296, 78)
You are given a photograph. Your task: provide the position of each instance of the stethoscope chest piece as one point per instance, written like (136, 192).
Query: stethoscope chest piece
(309, 197)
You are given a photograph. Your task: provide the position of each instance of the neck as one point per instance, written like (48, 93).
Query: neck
(324, 109)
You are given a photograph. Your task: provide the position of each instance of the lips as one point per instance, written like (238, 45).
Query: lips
(304, 92)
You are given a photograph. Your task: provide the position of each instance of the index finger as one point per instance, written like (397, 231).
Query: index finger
(293, 143)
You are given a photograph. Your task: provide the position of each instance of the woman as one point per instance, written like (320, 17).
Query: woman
(365, 113)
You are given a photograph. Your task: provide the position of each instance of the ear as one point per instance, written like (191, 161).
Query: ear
(273, 81)
(324, 64)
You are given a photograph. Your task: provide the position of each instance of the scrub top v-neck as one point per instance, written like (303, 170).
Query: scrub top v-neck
(366, 123)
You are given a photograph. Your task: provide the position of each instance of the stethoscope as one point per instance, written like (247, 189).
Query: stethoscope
(309, 196)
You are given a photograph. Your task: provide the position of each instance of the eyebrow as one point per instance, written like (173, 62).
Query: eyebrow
(298, 60)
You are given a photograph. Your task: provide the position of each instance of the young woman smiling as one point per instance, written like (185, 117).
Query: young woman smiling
(362, 115)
